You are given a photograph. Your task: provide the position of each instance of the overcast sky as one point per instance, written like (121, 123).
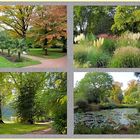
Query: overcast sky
(122, 77)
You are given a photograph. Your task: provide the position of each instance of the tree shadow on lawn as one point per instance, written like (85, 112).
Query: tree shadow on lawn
(7, 63)
(52, 53)
(17, 128)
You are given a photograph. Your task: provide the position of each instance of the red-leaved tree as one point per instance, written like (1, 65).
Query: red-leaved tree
(49, 26)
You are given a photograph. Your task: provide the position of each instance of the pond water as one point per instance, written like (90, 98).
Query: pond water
(108, 118)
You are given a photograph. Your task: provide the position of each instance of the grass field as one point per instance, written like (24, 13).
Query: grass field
(21, 128)
(53, 53)
(4, 63)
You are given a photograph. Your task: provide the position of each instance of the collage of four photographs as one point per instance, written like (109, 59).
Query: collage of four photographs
(36, 37)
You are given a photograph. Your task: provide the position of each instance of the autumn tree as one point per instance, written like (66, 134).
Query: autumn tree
(131, 93)
(49, 26)
(16, 19)
(132, 86)
(116, 92)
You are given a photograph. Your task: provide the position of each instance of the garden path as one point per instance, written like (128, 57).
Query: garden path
(46, 131)
(48, 63)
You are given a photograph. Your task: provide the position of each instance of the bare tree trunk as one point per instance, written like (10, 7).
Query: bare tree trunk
(8, 52)
(1, 121)
(19, 56)
(45, 46)
(64, 49)
(2, 51)
(46, 51)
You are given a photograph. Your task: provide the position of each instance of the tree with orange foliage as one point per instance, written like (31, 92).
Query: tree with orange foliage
(49, 26)
(132, 87)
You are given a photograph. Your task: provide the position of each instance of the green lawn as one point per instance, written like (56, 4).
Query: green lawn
(21, 128)
(4, 63)
(53, 53)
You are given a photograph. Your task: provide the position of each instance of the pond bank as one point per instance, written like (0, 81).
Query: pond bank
(98, 107)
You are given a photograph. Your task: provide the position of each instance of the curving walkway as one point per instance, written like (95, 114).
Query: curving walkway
(46, 131)
(48, 63)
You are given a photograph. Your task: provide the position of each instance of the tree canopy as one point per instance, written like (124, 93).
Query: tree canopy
(99, 19)
(100, 88)
(36, 97)
(16, 19)
(94, 87)
(106, 19)
(126, 18)
(49, 26)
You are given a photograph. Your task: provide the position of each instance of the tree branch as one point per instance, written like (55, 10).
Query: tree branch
(14, 80)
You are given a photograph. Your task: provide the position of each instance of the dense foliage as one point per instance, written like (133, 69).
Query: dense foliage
(106, 19)
(99, 19)
(100, 88)
(37, 97)
(94, 87)
(106, 36)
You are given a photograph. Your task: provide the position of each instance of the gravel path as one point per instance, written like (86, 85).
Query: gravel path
(46, 131)
(48, 63)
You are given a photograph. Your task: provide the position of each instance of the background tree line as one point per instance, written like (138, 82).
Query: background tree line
(100, 88)
(106, 19)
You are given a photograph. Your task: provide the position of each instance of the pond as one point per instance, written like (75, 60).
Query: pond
(114, 118)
